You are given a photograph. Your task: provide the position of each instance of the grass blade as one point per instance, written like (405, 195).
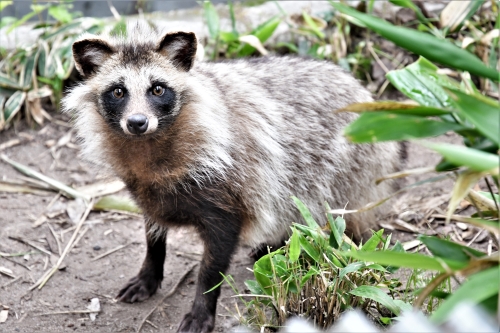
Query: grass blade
(66, 190)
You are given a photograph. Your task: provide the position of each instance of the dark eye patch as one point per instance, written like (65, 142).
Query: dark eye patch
(163, 104)
(113, 107)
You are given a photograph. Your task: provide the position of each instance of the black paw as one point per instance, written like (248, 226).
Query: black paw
(199, 322)
(139, 289)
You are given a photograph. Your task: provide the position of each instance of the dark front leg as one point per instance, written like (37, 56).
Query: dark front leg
(219, 247)
(149, 279)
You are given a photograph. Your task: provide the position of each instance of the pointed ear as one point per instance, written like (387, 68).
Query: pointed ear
(180, 48)
(89, 54)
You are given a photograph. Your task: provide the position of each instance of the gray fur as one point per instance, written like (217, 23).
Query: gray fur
(266, 126)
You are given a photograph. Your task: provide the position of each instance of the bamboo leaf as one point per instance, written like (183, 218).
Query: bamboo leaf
(409, 260)
(450, 250)
(27, 71)
(421, 82)
(62, 30)
(8, 82)
(462, 156)
(212, 19)
(394, 107)
(478, 288)
(378, 296)
(13, 105)
(262, 32)
(376, 127)
(4, 4)
(372, 243)
(306, 214)
(294, 251)
(424, 44)
(480, 111)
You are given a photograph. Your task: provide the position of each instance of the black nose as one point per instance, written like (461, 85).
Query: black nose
(137, 123)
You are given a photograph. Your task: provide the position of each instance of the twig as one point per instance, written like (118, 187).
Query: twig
(30, 244)
(55, 237)
(11, 282)
(67, 312)
(80, 236)
(110, 251)
(15, 262)
(9, 144)
(167, 295)
(150, 323)
(69, 246)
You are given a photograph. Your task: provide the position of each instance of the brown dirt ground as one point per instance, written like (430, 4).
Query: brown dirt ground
(82, 279)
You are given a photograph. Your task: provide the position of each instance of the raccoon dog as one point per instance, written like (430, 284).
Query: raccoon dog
(220, 147)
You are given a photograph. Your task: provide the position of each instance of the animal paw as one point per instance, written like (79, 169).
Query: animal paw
(199, 322)
(139, 288)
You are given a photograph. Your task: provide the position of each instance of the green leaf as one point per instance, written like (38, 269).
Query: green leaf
(62, 30)
(8, 82)
(476, 289)
(488, 195)
(306, 214)
(462, 156)
(214, 287)
(376, 127)
(228, 37)
(310, 273)
(309, 248)
(212, 19)
(314, 27)
(409, 260)
(35, 10)
(27, 71)
(7, 20)
(254, 287)
(262, 32)
(352, 267)
(13, 105)
(4, 4)
(294, 251)
(421, 82)
(372, 243)
(378, 296)
(481, 111)
(60, 13)
(43, 52)
(337, 228)
(449, 250)
(421, 43)
(263, 271)
(395, 107)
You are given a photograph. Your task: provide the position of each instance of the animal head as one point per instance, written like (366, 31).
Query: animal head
(138, 80)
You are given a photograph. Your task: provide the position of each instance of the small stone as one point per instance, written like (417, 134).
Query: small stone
(96, 248)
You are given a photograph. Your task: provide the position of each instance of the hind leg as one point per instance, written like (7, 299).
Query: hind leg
(149, 279)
